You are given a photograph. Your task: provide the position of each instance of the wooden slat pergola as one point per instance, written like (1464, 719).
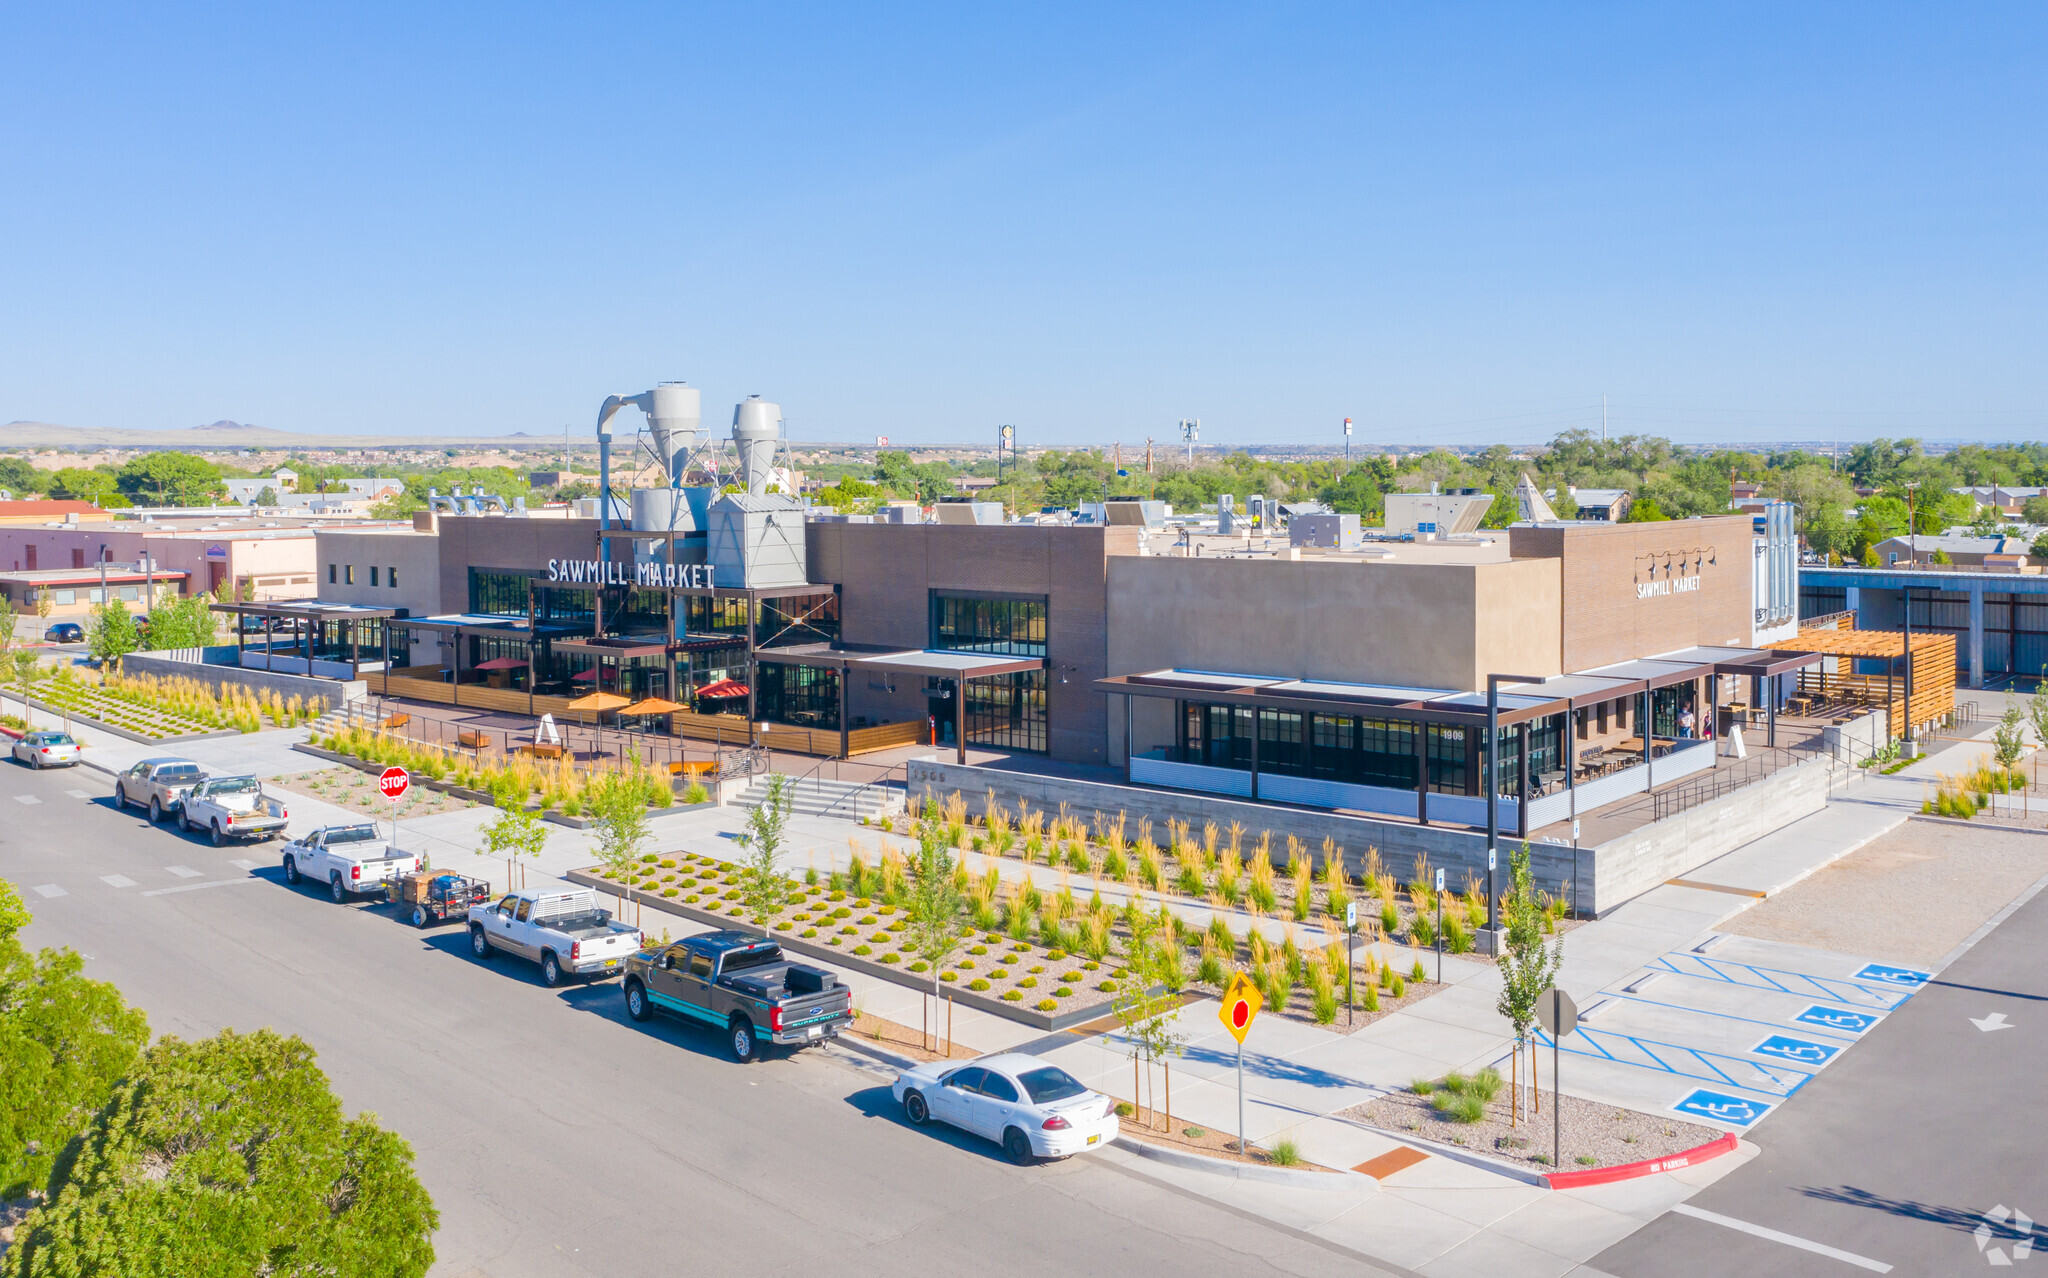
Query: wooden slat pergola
(1933, 665)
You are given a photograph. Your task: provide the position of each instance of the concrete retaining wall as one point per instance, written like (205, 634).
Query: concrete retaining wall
(1596, 879)
(163, 666)
(1627, 867)
(1858, 739)
(1458, 851)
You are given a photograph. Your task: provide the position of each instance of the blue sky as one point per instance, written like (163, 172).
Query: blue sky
(1456, 223)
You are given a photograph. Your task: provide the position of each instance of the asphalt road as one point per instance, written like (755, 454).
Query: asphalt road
(1895, 1153)
(557, 1137)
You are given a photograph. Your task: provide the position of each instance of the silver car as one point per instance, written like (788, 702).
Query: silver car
(46, 750)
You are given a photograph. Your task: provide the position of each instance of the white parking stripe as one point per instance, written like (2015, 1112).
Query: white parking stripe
(49, 890)
(26, 798)
(78, 794)
(1790, 1240)
(182, 871)
(117, 880)
(192, 887)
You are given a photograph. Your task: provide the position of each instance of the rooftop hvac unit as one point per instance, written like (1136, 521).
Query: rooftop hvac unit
(969, 512)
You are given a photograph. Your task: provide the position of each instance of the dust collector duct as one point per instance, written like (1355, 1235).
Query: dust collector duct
(756, 430)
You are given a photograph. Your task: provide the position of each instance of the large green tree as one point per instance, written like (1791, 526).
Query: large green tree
(110, 632)
(229, 1157)
(170, 479)
(64, 1040)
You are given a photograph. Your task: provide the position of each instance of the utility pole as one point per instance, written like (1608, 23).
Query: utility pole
(1190, 431)
(1603, 419)
(1912, 522)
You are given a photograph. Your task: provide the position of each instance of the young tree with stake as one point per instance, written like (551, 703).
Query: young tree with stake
(621, 814)
(937, 907)
(1143, 1006)
(516, 833)
(763, 888)
(1526, 968)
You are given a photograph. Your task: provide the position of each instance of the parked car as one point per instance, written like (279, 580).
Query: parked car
(159, 784)
(1030, 1108)
(435, 898)
(739, 983)
(563, 931)
(65, 632)
(47, 750)
(347, 858)
(232, 808)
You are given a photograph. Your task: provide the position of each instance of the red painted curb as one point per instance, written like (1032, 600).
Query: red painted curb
(16, 733)
(1651, 1167)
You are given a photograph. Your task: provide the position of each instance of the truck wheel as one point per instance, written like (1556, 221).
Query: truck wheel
(335, 891)
(419, 916)
(1016, 1145)
(291, 871)
(636, 1002)
(742, 1031)
(219, 839)
(479, 944)
(915, 1109)
(550, 969)
(156, 810)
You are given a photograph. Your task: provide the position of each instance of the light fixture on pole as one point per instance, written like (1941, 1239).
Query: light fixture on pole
(1492, 782)
(1190, 433)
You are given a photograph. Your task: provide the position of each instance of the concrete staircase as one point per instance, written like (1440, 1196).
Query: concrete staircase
(815, 796)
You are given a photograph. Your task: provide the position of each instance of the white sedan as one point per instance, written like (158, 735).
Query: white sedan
(1030, 1108)
(46, 750)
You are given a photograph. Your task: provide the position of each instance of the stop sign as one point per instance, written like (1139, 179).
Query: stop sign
(394, 783)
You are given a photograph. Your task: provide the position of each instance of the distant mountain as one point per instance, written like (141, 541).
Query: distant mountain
(225, 434)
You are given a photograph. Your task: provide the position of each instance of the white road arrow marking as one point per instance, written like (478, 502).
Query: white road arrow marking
(1995, 1021)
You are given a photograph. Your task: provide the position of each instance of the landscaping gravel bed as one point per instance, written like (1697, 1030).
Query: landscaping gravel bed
(1595, 1135)
(358, 792)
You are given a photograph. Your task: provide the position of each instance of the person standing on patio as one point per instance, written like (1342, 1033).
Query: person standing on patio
(1685, 722)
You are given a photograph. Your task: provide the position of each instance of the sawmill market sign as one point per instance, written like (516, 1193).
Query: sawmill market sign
(613, 572)
(1667, 586)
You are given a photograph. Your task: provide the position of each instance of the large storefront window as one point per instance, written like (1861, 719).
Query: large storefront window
(803, 695)
(1218, 736)
(789, 620)
(497, 594)
(1447, 768)
(1363, 751)
(1007, 712)
(715, 615)
(977, 623)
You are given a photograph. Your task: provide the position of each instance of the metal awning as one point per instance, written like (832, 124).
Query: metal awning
(623, 646)
(1652, 672)
(1577, 689)
(305, 609)
(938, 663)
(1310, 696)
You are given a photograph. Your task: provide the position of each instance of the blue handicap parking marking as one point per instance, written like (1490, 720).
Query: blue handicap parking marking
(1835, 1018)
(1797, 1050)
(1892, 975)
(1720, 1107)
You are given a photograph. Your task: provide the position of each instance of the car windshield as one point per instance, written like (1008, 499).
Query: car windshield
(761, 956)
(351, 834)
(1050, 1083)
(235, 785)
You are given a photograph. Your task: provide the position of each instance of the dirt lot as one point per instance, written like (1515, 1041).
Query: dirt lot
(1916, 893)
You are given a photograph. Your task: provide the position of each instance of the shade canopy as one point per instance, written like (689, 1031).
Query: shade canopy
(501, 663)
(723, 688)
(598, 701)
(653, 705)
(585, 676)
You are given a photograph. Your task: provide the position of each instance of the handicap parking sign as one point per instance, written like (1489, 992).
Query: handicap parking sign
(1719, 1107)
(1796, 1050)
(1835, 1018)
(1892, 975)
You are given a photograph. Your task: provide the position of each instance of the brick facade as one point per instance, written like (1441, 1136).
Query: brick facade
(1626, 596)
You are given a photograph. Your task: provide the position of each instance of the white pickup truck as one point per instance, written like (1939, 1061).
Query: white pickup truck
(348, 858)
(226, 808)
(564, 931)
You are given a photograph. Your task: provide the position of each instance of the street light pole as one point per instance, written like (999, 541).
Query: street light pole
(1491, 780)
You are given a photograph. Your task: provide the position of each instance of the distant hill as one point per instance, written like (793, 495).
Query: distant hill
(228, 435)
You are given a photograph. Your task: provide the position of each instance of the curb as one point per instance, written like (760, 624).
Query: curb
(1649, 1167)
(1048, 1021)
(1974, 825)
(1293, 1177)
(882, 1054)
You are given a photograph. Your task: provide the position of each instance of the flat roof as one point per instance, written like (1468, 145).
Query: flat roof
(304, 608)
(1657, 672)
(85, 576)
(1205, 679)
(1578, 687)
(1356, 691)
(937, 662)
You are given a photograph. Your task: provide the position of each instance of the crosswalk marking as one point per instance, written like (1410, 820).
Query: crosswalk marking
(26, 798)
(117, 880)
(190, 887)
(50, 890)
(183, 871)
(78, 794)
(243, 865)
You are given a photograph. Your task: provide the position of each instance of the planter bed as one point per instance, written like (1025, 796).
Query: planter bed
(1596, 1135)
(355, 790)
(1003, 967)
(133, 729)
(481, 797)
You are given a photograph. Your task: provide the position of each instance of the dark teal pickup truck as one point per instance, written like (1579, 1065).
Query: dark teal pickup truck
(741, 985)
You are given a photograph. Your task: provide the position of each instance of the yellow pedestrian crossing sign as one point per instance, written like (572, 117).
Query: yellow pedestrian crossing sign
(1241, 1002)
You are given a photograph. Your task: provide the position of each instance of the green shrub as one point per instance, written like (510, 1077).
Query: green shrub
(1486, 1084)
(978, 984)
(949, 976)
(1047, 1005)
(1371, 1001)
(892, 958)
(1284, 1152)
(1064, 991)
(1418, 973)
(1325, 1005)
(1422, 1086)
(1012, 996)
(1399, 988)
(1124, 1109)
